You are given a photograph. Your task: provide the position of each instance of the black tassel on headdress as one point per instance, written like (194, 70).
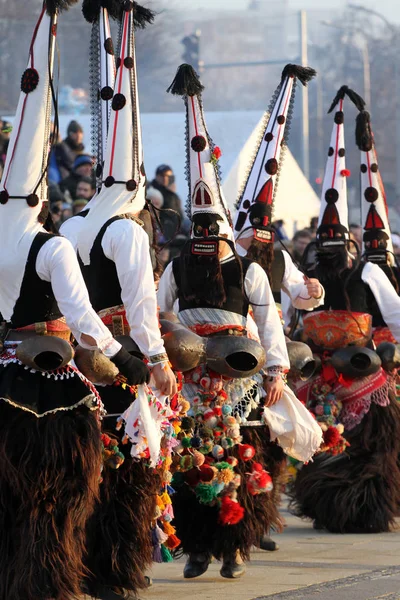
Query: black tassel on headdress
(142, 16)
(351, 94)
(303, 74)
(186, 82)
(57, 6)
(91, 9)
(364, 139)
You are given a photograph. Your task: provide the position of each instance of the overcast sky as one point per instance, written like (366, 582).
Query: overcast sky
(389, 8)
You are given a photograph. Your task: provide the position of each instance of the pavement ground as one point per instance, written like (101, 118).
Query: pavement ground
(310, 565)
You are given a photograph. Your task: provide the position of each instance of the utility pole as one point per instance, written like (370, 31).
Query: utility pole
(305, 144)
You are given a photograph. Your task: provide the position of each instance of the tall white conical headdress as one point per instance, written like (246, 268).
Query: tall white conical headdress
(333, 227)
(206, 206)
(102, 72)
(123, 174)
(255, 205)
(377, 239)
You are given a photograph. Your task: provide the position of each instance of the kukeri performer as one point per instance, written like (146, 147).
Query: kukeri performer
(221, 484)
(113, 250)
(354, 487)
(254, 233)
(50, 443)
(377, 246)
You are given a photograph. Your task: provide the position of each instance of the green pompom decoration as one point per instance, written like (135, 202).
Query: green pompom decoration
(166, 554)
(205, 493)
(186, 442)
(187, 423)
(223, 465)
(178, 479)
(207, 447)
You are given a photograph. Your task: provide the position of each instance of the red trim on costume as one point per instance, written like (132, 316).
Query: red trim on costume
(197, 133)
(121, 66)
(336, 149)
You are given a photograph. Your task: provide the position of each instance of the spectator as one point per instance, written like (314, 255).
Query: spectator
(279, 227)
(66, 211)
(313, 226)
(66, 151)
(55, 194)
(356, 234)
(164, 181)
(83, 168)
(300, 241)
(85, 188)
(78, 205)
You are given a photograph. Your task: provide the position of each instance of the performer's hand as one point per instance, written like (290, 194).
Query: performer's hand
(131, 367)
(274, 389)
(314, 288)
(164, 379)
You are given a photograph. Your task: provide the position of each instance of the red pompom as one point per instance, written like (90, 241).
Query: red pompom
(192, 477)
(217, 152)
(331, 437)
(217, 411)
(345, 173)
(257, 467)
(206, 473)
(246, 452)
(231, 512)
(173, 542)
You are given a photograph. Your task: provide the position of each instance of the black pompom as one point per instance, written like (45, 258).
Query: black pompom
(106, 93)
(363, 168)
(371, 194)
(4, 197)
(32, 200)
(374, 168)
(198, 143)
(271, 166)
(128, 62)
(91, 9)
(339, 117)
(269, 136)
(109, 181)
(364, 138)
(118, 102)
(246, 204)
(131, 185)
(331, 196)
(29, 80)
(341, 152)
(330, 151)
(303, 74)
(109, 46)
(186, 82)
(351, 94)
(54, 6)
(281, 119)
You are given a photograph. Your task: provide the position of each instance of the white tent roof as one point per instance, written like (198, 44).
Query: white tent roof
(296, 201)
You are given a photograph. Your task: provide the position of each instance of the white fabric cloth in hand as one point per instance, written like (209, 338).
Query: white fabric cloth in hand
(293, 427)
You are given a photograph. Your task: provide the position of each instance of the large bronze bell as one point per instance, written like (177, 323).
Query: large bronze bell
(95, 366)
(44, 353)
(232, 356)
(302, 361)
(389, 354)
(355, 361)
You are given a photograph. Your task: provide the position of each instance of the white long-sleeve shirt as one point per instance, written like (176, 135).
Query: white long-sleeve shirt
(127, 245)
(385, 295)
(57, 264)
(260, 297)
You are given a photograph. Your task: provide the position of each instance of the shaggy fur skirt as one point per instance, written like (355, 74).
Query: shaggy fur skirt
(197, 524)
(357, 491)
